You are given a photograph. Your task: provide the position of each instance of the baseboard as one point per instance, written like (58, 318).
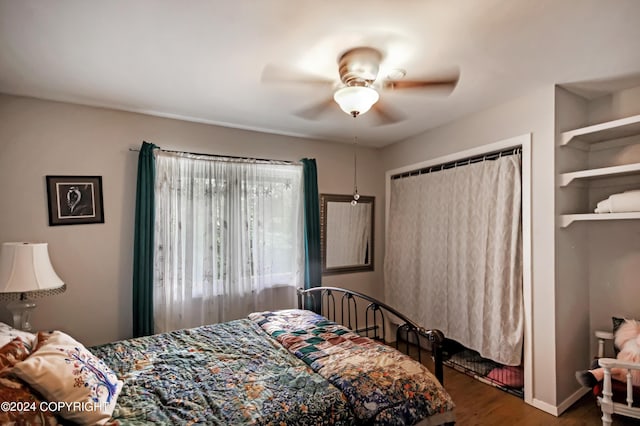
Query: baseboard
(562, 407)
(544, 406)
(572, 399)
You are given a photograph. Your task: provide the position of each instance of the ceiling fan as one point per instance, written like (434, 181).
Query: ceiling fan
(358, 89)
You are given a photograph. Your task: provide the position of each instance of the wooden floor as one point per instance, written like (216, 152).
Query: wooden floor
(480, 404)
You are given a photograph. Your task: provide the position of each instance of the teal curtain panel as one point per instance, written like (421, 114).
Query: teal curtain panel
(313, 266)
(143, 244)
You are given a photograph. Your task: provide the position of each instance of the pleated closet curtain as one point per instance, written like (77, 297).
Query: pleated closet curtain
(454, 254)
(228, 239)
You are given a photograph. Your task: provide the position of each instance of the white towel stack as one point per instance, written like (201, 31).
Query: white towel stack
(628, 201)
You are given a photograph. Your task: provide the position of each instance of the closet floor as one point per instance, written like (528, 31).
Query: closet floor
(507, 378)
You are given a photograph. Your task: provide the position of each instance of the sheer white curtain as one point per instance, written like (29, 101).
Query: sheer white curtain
(228, 239)
(454, 254)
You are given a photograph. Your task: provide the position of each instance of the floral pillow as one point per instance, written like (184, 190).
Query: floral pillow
(8, 333)
(17, 392)
(12, 353)
(63, 370)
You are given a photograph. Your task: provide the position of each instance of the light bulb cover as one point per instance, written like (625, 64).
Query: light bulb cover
(356, 99)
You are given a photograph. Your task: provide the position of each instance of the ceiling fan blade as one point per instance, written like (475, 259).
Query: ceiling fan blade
(275, 74)
(316, 110)
(383, 114)
(444, 84)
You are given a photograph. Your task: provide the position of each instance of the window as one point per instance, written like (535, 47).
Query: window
(228, 238)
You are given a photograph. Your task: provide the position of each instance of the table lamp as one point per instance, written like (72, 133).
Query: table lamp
(26, 272)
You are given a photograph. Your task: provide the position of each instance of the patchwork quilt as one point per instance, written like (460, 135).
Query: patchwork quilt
(382, 385)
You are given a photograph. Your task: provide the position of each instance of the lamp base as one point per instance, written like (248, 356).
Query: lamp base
(21, 311)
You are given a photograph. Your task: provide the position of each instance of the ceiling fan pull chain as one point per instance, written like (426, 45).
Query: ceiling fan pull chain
(356, 196)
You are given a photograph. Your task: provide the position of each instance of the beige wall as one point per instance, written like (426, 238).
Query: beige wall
(533, 114)
(572, 295)
(39, 138)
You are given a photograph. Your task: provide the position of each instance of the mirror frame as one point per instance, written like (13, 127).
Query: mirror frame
(340, 198)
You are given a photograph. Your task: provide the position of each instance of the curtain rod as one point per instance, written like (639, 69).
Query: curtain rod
(266, 160)
(462, 162)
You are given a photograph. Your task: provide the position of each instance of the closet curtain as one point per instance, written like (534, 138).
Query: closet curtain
(454, 254)
(228, 239)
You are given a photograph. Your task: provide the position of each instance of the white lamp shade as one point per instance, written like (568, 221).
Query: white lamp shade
(356, 99)
(26, 268)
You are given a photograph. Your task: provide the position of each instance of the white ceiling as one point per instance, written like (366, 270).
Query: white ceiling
(202, 60)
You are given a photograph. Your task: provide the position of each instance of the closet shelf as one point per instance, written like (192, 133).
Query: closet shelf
(627, 169)
(628, 126)
(568, 219)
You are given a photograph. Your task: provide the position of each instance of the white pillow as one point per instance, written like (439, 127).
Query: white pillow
(8, 333)
(63, 370)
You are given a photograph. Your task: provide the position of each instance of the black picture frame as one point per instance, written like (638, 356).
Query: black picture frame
(74, 200)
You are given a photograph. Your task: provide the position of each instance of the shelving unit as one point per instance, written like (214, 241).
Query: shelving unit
(586, 136)
(627, 169)
(568, 219)
(616, 129)
(596, 254)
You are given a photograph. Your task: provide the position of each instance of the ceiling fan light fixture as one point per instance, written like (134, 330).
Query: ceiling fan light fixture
(356, 100)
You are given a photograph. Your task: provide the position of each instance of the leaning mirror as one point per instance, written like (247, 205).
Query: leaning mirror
(346, 233)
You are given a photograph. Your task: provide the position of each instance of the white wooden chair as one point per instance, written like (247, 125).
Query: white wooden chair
(606, 402)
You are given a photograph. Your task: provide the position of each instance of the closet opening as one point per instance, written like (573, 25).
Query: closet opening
(454, 258)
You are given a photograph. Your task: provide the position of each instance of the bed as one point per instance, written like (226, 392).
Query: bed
(291, 367)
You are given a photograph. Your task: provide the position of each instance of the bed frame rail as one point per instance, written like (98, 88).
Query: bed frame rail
(346, 306)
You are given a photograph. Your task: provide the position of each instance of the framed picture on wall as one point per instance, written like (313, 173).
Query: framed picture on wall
(74, 200)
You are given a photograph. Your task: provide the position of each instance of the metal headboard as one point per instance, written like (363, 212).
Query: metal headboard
(348, 305)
